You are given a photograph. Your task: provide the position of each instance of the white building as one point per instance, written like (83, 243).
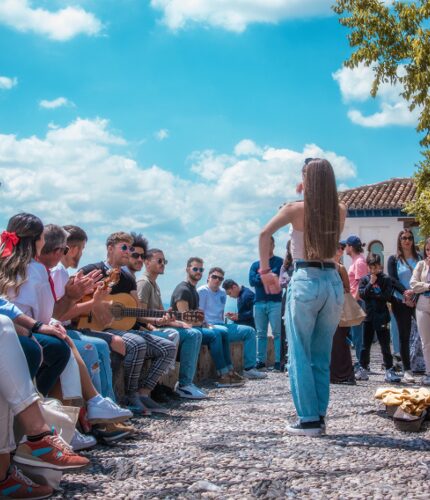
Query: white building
(375, 214)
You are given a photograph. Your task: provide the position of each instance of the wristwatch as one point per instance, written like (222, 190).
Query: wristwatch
(35, 328)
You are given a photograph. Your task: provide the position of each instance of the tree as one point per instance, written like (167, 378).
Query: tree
(393, 38)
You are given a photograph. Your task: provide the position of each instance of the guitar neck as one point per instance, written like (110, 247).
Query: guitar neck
(138, 312)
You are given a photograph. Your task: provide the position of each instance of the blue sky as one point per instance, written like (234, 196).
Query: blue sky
(187, 121)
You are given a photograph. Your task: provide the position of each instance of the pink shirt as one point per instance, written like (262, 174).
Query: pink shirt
(356, 271)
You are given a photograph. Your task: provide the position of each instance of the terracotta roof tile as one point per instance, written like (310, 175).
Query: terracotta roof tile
(391, 194)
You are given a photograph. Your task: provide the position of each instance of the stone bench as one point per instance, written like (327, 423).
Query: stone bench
(205, 372)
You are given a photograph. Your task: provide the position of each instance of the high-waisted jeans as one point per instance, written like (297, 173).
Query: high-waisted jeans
(314, 305)
(16, 389)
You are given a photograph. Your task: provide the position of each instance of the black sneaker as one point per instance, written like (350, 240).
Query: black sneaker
(260, 365)
(311, 429)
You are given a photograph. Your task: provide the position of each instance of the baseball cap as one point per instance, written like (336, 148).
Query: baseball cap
(352, 240)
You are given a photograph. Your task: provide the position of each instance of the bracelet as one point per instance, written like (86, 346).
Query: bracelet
(264, 271)
(36, 327)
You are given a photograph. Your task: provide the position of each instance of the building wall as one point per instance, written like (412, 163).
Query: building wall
(384, 229)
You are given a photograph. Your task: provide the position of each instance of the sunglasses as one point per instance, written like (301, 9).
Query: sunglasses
(162, 261)
(197, 269)
(308, 160)
(216, 277)
(407, 238)
(125, 247)
(137, 255)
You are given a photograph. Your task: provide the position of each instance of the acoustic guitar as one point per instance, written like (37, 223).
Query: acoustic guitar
(125, 312)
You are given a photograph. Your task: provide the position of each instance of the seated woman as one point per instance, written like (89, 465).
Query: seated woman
(18, 399)
(27, 284)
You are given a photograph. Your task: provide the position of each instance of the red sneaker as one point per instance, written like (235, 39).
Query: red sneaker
(16, 485)
(51, 452)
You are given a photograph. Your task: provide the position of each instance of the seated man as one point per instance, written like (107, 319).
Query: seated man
(190, 339)
(245, 303)
(19, 399)
(186, 298)
(212, 300)
(162, 352)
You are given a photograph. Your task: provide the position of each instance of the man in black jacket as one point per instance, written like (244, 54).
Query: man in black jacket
(376, 289)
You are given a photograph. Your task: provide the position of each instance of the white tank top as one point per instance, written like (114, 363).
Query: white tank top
(297, 244)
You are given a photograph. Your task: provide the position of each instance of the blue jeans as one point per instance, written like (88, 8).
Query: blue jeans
(314, 305)
(33, 354)
(97, 361)
(56, 354)
(265, 313)
(190, 340)
(394, 334)
(357, 335)
(245, 334)
(217, 341)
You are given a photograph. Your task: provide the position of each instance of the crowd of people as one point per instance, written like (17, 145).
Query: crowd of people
(61, 326)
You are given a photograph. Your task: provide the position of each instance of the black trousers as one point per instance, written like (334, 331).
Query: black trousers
(403, 315)
(383, 335)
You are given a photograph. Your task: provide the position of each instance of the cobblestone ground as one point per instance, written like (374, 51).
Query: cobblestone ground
(233, 446)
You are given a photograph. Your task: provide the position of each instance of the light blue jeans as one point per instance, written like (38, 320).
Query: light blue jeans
(190, 340)
(314, 305)
(245, 334)
(394, 334)
(265, 313)
(95, 353)
(357, 335)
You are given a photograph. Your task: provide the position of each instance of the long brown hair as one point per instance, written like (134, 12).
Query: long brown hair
(13, 269)
(399, 245)
(321, 210)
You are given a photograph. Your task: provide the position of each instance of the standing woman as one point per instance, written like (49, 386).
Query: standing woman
(400, 268)
(315, 292)
(420, 284)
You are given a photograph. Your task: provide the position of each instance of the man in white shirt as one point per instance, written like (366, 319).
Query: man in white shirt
(212, 299)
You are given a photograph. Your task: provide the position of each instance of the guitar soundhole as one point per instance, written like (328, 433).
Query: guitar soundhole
(116, 310)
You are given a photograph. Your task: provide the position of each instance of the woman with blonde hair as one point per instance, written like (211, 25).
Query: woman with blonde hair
(315, 292)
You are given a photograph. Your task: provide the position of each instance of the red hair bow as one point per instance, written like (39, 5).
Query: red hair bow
(8, 242)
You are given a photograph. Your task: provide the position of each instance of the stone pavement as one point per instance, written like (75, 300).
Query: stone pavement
(233, 446)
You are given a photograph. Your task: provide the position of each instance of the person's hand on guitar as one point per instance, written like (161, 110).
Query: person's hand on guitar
(101, 306)
(165, 320)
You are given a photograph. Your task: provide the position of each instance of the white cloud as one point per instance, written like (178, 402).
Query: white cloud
(355, 86)
(81, 174)
(162, 134)
(59, 102)
(7, 83)
(60, 25)
(236, 15)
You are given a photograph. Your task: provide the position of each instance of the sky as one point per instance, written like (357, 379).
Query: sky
(185, 120)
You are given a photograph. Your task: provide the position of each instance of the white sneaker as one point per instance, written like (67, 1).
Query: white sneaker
(190, 391)
(361, 374)
(106, 410)
(425, 380)
(82, 441)
(408, 377)
(253, 374)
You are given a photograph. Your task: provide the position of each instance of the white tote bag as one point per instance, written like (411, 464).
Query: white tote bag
(71, 380)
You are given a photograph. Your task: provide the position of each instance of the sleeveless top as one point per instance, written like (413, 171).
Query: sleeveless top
(297, 244)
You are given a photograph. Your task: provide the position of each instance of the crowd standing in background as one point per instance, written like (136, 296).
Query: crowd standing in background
(59, 333)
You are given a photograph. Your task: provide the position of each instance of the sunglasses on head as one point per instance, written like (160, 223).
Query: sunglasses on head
(216, 277)
(407, 238)
(124, 247)
(197, 269)
(137, 255)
